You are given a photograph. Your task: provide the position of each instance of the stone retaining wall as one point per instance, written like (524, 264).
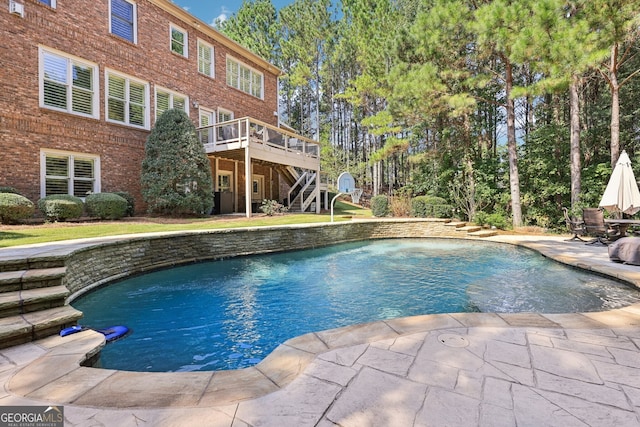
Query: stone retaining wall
(97, 265)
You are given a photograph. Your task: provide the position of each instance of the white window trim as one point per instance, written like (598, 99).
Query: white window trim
(186, 40)
(213, 61)
(95, 105)
(224, 111)
(72, 155)
(147, 100)
(252, 70)
(135, 22)
(213, 116)
(257, 195)
(222, 173)
(53, 4)
(172, 93)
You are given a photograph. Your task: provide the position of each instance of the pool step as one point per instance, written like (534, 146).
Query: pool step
(16, 263)
(31, 279)
(20, 329)
(30, 300)
(455, 224)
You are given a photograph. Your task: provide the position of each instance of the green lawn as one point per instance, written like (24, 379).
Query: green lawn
(29, 234)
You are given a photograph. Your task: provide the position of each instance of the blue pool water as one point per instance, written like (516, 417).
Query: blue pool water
(232, 313)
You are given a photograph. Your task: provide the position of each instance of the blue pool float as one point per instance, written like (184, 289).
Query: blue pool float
(111, 333)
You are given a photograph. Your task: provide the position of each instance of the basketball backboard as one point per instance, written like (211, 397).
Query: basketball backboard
(346, 183)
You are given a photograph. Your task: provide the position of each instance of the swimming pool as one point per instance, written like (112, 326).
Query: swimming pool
(230, 314)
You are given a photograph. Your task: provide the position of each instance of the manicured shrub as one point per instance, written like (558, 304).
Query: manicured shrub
(176, 173)
(131, 202)
(9, 190)
(106, 205)
(497, 220)
(61, 207)
(380, 206)
(430, 207)
(14, 208)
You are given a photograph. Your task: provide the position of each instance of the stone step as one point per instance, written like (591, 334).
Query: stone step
(15, 263)
(31, 300)
(484, 233)
(455, 224)
(31, 279)
(469, 228)
(15, 330)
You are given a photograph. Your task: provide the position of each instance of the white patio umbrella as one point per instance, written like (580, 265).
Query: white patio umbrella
(622, 194)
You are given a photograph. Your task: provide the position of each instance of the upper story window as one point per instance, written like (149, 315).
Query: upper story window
(205, 59)
(50, 3)
(224, 115)
(68, 84)
(69, 173)
(167, 99)
(122, 19)
(127, 100)
(179, 40)
(244, 78)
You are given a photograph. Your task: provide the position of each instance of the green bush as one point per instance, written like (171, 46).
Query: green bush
(176, 173)
(380, 206)
(106, 205)
(14, 207)
(430, 207)
(131, 202)
(61, 207)
(481, 218)
(9, 190)
(497, 220)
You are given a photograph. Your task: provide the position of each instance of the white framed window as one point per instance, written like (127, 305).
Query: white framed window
(244, 78)
(167, 99)
(127, 100)
(257, 188)
(122, 19)
(206, 63)
(179, 40)
(225, 181)
(69, 173)
(68, 83)
(206, 118)
(224, 115)
(50, 3)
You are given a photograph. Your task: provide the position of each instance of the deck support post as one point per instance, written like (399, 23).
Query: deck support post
(248, 180)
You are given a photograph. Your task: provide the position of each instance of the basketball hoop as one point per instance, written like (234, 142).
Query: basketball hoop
(355, 195)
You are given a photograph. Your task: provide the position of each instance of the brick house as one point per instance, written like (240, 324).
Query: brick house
(84, 82)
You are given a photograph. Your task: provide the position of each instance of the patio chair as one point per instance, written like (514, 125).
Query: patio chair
(595, 226)
(576, 226)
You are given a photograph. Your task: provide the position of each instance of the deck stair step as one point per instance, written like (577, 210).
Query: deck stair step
(455, 224)
(30, 300)
(469, 228)
(31, 279)
(484, 233)
(28, 327)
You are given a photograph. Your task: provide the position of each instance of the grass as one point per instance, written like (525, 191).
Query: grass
(50, 232)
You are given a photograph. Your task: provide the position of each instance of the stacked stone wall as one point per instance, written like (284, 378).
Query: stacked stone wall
(102, 264)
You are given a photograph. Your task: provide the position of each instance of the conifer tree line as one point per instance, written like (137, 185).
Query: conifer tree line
(514, 108)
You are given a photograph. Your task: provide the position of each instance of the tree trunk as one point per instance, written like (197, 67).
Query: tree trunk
(615, 106)
(512, 148)
(575, 141)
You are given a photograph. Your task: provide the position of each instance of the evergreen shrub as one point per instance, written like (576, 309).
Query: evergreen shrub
(176, 173)
(60, 207)
(131, 202)
(106, 205)
(430, 207)
(9, 190)
(14, 208)
(380, 206)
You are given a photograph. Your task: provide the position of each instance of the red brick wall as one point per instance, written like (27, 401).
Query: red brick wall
(81, 28)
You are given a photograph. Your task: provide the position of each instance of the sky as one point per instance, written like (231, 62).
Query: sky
(209, 10)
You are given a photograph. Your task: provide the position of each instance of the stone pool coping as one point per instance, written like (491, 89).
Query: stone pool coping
(58, 375)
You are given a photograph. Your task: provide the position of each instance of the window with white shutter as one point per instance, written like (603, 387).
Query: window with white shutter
(69, 173)
(167, 99)
(127, 100)
(68, 84)
(205, 59)
(244, 78)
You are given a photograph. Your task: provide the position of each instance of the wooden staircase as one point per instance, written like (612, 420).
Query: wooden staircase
(32, 300)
